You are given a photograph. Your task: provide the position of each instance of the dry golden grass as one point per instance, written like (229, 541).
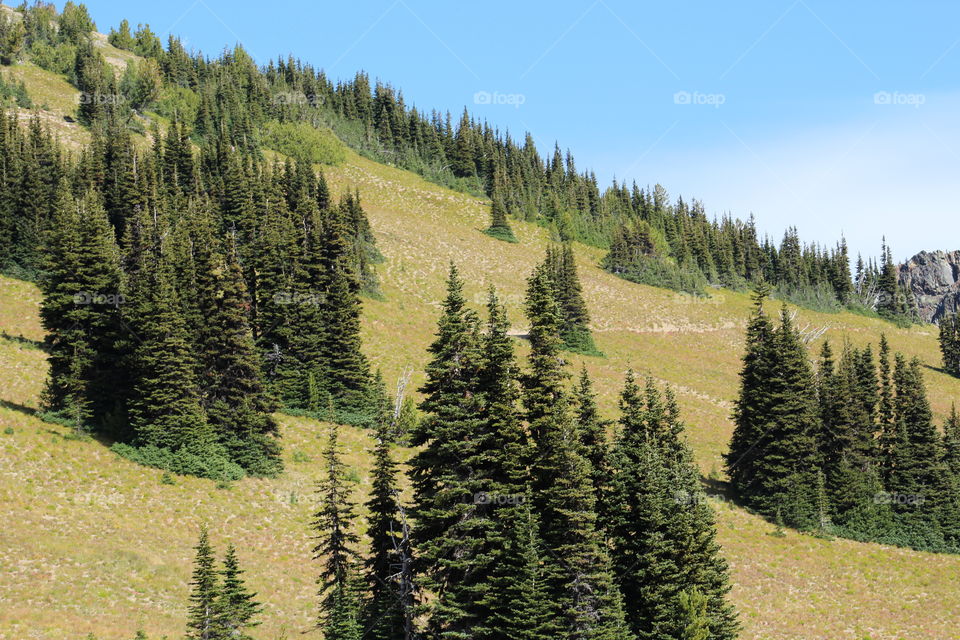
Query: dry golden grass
(93, 543)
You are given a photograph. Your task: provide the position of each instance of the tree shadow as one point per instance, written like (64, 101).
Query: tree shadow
(29, 343)
(938, 370)
(16, 406)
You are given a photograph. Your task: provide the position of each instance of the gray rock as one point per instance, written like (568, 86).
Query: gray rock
(933, 277)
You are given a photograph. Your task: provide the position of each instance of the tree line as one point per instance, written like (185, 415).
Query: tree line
(230, 98)
(847, 448)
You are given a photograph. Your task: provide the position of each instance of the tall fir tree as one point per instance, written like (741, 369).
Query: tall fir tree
(387, 607)
(234, 396)
(753, 403)
(950, 343)
(235, 608)
(205, 591)
(579, 577)
(81, 313)
(336, 548)
(663, 531)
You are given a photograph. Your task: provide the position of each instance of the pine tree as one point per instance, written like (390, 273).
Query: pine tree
(385, 611)
(790, 461)
(594, 437)
(662, 528)
(579, 576)
(693, 611)
(774, 459)
(575, 318)
(235, 608)
(165, 411)
(452, 532)
(235, 399)
(950, 343)
(81, 313)
(205, 591)
(916, 479)
(951, 441)
(499, 225)
(346, 371)
(524, 610)
(336, 548)
(754, 402)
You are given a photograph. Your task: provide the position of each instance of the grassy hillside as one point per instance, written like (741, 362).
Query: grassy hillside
(93, 543)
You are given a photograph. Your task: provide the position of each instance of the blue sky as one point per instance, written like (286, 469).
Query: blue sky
(836, 117)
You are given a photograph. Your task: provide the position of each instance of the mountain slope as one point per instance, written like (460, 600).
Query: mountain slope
(94, 543)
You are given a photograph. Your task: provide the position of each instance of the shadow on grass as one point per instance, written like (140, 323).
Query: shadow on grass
(22, 408)
(29, 343)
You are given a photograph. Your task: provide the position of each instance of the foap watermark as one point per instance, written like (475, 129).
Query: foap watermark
(484, 497)
(509, 99)
(683, 297)
(85, 97)
(95, 297)
(905, 499)
(297, 298)
(898, 98)
(697, 98)
(691, 498)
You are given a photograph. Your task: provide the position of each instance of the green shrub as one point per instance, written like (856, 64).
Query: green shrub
(178, 103)
(662, 272)
(58, 59)
(14, 92)
(501, 233)
(820, 297)
(303, 141)
(211, 462)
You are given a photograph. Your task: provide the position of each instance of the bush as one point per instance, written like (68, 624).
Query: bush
(178, 103)
(363, 419)
(581, 341)
(819, 297)
(303, 141)
(661, 272)
(14, 92)
(211, 462)
(58, 59)
(501, 233)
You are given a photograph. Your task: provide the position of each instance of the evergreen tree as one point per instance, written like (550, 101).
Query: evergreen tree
(235, 607)
(347, 373)
(951, 441)
(662, 528)
(950, 343)
(579, 577)
(524, 610)
(594, 437)
(574, 315)
(336, 548)
(917, 471)
(754, 401)
(204, 594)
(450, 485)
(165, 411)
(235, 399)
(385, 611)
(774, 460)
(81, 313)
(499, 226)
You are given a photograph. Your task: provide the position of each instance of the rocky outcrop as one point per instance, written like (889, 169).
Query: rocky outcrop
(933, 277)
